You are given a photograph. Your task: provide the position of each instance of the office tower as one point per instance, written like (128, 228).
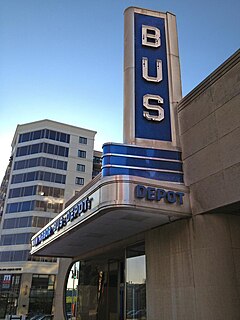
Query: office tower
(50, 162)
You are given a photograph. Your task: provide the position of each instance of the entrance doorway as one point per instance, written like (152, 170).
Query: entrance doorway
(100, 290)
(109, 288)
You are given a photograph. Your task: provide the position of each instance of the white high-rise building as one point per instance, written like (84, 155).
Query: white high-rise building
(50, 162)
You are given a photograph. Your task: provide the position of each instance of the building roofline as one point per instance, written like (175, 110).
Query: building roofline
(210, 80)
(147, 11)
(48, 121)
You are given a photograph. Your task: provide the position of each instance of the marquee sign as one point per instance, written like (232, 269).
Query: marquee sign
(78, 210)
(150, 94)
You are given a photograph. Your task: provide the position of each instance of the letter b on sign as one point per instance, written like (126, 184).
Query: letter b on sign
(151, 36)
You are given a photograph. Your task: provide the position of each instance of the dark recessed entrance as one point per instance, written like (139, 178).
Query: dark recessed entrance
(109, 288)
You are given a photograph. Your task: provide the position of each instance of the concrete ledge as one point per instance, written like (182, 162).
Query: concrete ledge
(210, 80)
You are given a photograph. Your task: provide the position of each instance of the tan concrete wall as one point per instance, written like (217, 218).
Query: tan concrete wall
(193, 269)
(59, 297)
(209, 121)
(23, 301)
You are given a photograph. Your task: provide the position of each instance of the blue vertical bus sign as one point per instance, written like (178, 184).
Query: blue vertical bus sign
(152, 107)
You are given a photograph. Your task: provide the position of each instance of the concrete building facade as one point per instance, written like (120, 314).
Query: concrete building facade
(50, 162)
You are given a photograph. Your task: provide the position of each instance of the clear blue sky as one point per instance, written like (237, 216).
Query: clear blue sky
(63, 59)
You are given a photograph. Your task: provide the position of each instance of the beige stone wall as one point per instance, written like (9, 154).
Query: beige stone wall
(209, 121)
(193, 269)
(59, 297)
(23, 301)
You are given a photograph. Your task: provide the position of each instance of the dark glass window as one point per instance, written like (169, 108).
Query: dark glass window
(5, 256)
(19, 206)
(97, 159)
(51, 148)
(19, 165)
(21, 255)
(17, 223)
(79, 181)
(8, 293)
(82, 154)
(12, 207)
(48, 206)
(47, 176)
(24, 137)
(41, 294)
(81, 167)
(30, 176)
(22, 192)
(39, 175)
(26, 206)
(14, 239)
(24, 222)
(47, 134)
(40, 222)
(14, 193)
(21, 151)
(52, 135)
(42, 147)
(32, 162)
(58, 178)
(44, 133)
(37, 135)
(83, 140)
(29, 191)
(6, 240)
(34, 149)
(64, 137)
(50, 191)
(49, 163)
(136, 281)
(9, 223)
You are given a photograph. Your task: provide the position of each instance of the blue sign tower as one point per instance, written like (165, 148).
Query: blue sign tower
(152, 89)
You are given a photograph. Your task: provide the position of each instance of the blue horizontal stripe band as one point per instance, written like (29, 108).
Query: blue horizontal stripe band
(140, 168)
(155, 175)
(141, 162)
(140, 151)
(139, 157)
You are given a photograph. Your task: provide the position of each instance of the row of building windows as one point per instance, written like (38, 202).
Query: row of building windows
(22, 255)
(41, 259)
(14, 239)
(34, 205)
(36, 190)
(44, 133)
(42, 147)
(41, 161)
(25, 222)
(39, 175)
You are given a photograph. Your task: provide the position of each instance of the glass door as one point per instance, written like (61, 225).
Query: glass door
(99, 293)
(136, 282)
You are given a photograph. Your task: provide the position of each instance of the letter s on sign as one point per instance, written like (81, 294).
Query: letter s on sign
(153, 107)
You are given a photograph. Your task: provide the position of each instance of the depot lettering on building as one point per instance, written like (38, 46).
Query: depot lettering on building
(78, 210)
(158, 194)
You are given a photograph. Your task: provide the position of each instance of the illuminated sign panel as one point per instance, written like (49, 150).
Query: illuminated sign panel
(152, 110)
